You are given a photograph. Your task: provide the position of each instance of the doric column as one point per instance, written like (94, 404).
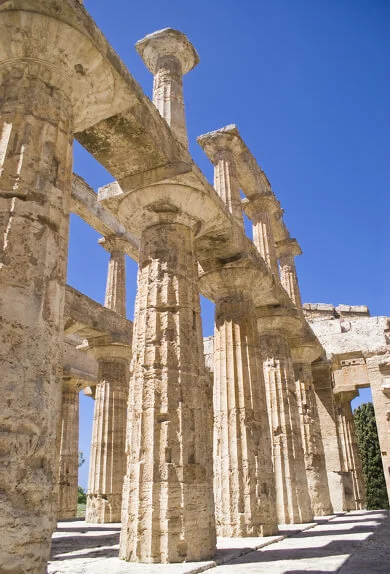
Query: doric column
(350, 457)
(243, 475)
(378, 369)
(313, 447)
(219, 147)
(108, 455)
(286, 250)
(168, 506)
(292, 495)
(259, 209)
(69, 450)
(169, 55)
(323, 390)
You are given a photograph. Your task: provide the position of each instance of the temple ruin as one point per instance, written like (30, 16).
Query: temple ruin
(192, 438)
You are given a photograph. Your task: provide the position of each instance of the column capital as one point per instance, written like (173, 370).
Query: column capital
(114, 244)
(219, 143)
(260, 204)
(289, 246)
(164, 44)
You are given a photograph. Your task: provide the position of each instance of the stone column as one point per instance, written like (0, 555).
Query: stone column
(378, 368)
(108, 456)
(69, 450)
(259, 209)
(286, 251)
(159, 52)
(36, 124)
(350, 457)
(323, 390)
(313, 447)
(243, 474)
(168, 505)
(292, 496)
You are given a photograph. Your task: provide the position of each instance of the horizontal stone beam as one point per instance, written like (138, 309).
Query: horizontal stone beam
(85, 204)
(90, 320)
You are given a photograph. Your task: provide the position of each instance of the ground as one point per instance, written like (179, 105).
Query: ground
(352, 543)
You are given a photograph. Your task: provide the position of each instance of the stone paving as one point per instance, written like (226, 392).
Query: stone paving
(353, 543)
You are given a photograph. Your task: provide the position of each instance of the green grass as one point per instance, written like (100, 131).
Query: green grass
(81, 510)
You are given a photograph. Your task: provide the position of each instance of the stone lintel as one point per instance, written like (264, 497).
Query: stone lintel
(94, 320)
(167, 43)
(85, 204)
(288, 246)
(346, 394)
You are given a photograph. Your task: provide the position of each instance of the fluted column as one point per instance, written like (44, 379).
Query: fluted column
(350, 457)
(243, 474)
(69, 450)
(259, 209)
(168, 507)
(36, 123)
(292, 495)
(219, 147)
(286, 251)
(169, 55)
(108, 456)
(313, 447)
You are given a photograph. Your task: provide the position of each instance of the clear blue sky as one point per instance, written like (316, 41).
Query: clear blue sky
(307, 83)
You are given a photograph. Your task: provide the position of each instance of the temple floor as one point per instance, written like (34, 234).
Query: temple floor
(350, 543)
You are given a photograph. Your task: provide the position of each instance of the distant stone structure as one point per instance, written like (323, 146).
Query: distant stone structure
(255, 432)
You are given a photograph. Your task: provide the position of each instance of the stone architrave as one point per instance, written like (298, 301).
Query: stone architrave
(243, 474)
(286, 251)
(350, 458)
(323, 390)
(168, 505)
(313, 447)
(108, 453)
(68, 450)
(293, 503)
(259, 209)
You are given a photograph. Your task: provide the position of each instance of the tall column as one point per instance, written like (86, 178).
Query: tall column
(292, 496)
(69, 450)
(286, 251)
(313, 447)
(350, 457)
(219, 147)
(35, 185)
(243, 474)
(378, 375)
(108, 455)
(168, 506)
(323, 390)
(259, 209)
(159, 52)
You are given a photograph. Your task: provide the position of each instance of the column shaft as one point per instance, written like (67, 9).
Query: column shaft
(292, 495)
(264, 240)
(108, 460)
(69, 451)
(313, 447)
(350, 458)
(226, 183)
(168, 508)
(243, 474)
(35, 188)
(289, 278)
(116, 283)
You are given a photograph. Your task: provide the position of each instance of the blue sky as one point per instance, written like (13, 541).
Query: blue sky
(307, 83)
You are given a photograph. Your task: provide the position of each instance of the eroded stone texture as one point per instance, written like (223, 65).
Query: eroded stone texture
(35, 186)
(69, 450)
(350, 459)
(313, 447)
(292, 496)
(108, 455)
(168, 509)
(243, 474)
(286, 251)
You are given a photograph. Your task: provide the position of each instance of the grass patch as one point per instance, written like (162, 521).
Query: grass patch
(81, 510)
